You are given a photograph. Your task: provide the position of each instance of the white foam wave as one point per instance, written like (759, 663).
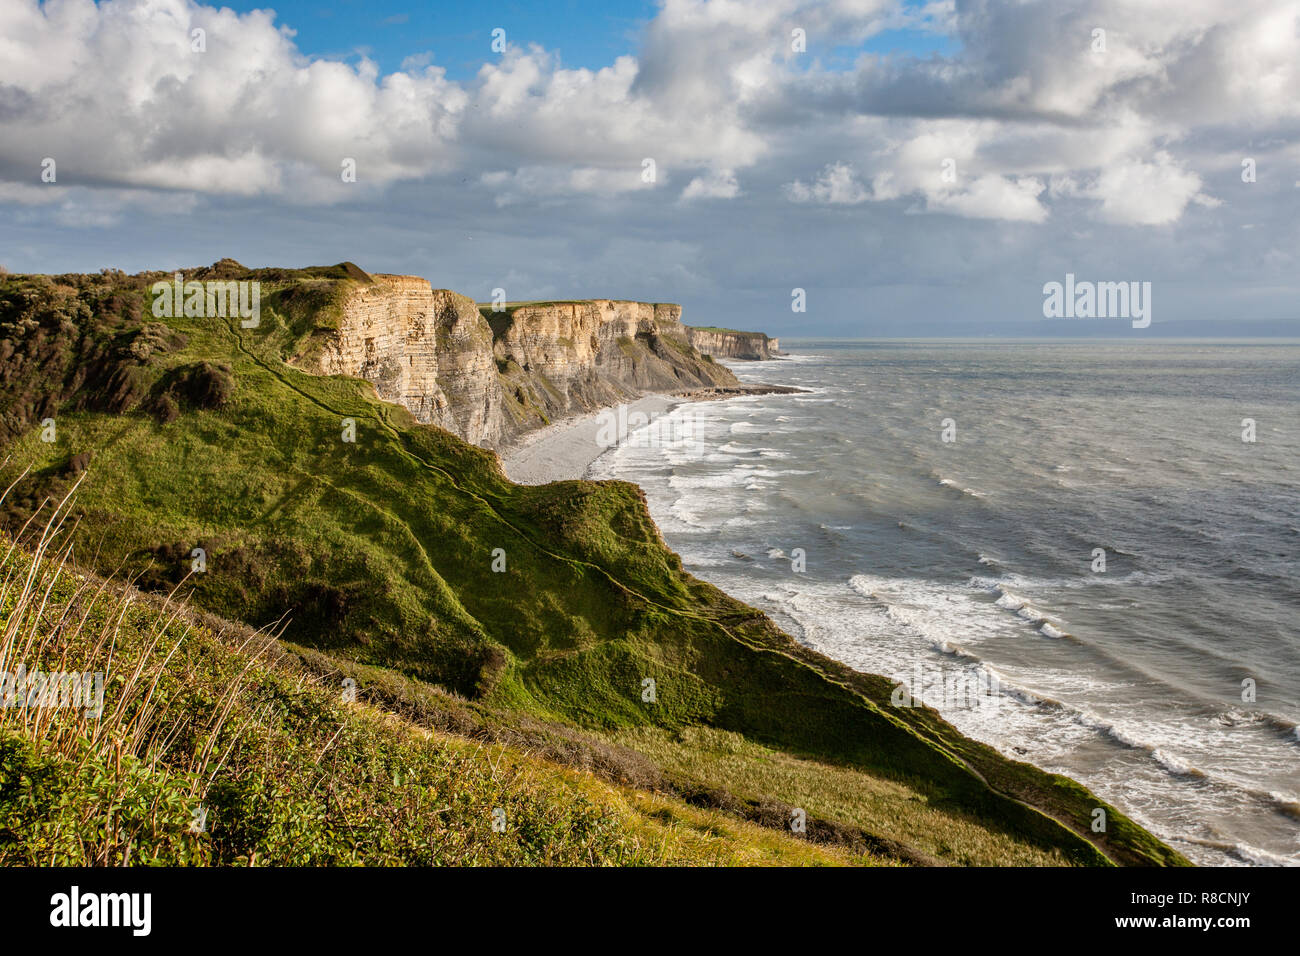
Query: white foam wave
(949, 483)
(1253, 854)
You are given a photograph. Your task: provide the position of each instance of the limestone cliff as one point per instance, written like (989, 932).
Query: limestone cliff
(729, 343)
(427, 349)
(489, 375)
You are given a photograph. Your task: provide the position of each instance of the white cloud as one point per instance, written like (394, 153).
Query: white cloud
(114, 93)
(534, 182)
(994, 197)
(940, 164)
(1140, 193)
(714, 185)
(837, 185)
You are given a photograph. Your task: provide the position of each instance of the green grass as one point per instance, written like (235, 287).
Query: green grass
(381, 552)
(715, 328)
(217, 748)
(488, 308)
(889, 809)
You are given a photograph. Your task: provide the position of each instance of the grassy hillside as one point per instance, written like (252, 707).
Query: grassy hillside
(379, 553)
(218, 747)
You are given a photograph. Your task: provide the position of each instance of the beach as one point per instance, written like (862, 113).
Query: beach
(567, 449)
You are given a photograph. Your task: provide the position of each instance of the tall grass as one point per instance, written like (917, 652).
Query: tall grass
(59, 621)
(212, 747)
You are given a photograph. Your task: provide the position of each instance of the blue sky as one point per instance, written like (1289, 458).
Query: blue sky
(920, 168)
(459, 34)
(583, 34)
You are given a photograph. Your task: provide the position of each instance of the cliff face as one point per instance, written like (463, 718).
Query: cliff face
(426, 349)
(488, 376)
(727, 343)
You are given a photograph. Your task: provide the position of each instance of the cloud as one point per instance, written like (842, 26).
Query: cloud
(539, 182)
(525, 106)
(117, 93)
(127, 92)
(837, 185)
(82, 208)
(994, 197)
(1140, 193)
(714, 185)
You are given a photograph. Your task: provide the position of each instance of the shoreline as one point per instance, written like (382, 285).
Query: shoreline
(566, 450)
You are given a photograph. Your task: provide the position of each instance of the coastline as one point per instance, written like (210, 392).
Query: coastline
(566, 450)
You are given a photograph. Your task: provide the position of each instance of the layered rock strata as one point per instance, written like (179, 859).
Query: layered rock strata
(729, 343)
(490, 375)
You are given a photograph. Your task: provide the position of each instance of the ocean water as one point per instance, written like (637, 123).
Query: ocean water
(968, 569)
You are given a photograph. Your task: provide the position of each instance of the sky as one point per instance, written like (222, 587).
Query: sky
(914, 168)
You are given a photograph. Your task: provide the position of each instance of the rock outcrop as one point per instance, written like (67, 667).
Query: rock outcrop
(426, 349)
(490, 375)
(729, 343)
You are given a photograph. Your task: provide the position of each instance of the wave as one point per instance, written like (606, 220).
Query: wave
(729, 479)
(702, 561)
(1089, 579)
(1242, 851)
(1287, 803)
(1254, 855)
(685, 516)
(1283, 726)
(1131, 739)
(949, 483)
(1008, 600)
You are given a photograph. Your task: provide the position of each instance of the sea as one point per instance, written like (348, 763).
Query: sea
(1085, 554)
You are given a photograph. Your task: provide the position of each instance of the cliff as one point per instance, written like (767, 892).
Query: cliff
(490, 375)
(729, 343)
(426, 349)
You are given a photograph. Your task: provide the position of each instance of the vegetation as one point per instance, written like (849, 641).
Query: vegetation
(204, 458)
(488, 309)
(217, 747)
(721, 331)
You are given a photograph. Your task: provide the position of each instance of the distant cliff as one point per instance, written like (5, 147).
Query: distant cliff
(729, 343)
(490, 375)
